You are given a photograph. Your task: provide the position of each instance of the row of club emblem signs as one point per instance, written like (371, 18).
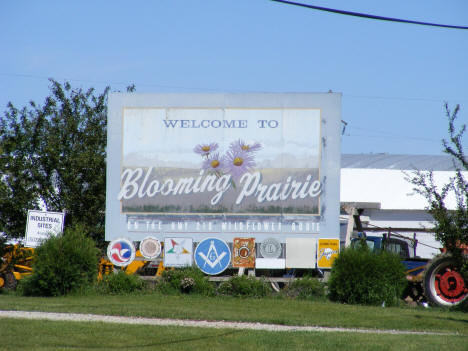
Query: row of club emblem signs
(213, 255)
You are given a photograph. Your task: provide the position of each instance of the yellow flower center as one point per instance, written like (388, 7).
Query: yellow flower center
(214, 163)
(238, 161)
(206, 148)
(245, 147)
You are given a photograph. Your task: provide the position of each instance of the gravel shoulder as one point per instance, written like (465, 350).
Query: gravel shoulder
(75, 317)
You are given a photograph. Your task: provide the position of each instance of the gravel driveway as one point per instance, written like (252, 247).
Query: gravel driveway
(193, 323)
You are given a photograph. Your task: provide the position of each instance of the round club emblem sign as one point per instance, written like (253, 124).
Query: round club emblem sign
(150, 248)
(212, 256)
(270, 248)
(244, 251)
(121, 252)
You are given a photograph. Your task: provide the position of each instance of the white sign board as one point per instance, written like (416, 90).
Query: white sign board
(223, 165)
(41, 225)
(301, 252)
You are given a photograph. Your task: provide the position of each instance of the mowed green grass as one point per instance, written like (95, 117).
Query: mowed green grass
(268, 310)
(50, 335)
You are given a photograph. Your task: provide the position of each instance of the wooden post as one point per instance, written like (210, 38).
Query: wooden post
(349, 229)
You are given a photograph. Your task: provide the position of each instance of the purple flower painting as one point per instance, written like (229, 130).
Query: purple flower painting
(237, 163)
(205, 149)
(213, 163)
(238, 160)
(240, 145)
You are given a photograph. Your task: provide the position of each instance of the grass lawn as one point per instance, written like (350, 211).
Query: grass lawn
(268, 310)
(51, 335)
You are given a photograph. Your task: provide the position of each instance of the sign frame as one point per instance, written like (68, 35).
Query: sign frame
(226, 225)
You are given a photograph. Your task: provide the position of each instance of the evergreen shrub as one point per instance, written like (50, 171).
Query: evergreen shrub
(359, 276)
(244, 286)
(63, 264)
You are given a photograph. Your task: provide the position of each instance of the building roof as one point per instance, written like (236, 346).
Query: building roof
(398, 162)
(383, 179)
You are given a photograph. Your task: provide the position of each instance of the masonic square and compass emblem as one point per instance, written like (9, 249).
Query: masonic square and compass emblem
(212, 256)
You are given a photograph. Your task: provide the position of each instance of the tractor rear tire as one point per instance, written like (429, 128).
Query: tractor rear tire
(443, 283)
(10, 281)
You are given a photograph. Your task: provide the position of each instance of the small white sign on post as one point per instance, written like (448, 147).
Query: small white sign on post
(41, 225)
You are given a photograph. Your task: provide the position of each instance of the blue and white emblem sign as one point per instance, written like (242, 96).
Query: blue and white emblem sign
(212, 256)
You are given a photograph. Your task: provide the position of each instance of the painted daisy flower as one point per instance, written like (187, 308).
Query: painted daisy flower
(242, 146)
(205, 149)
(213, 163)
(237, 163)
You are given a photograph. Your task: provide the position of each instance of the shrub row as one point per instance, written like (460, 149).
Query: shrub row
(193, 281)
(68, 263)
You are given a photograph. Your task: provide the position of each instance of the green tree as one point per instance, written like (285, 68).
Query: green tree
(53, 155)
(451, 226)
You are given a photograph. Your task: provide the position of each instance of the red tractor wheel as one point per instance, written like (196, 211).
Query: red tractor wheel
(443, 284)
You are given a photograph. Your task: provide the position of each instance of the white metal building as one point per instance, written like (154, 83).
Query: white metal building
(376, 184)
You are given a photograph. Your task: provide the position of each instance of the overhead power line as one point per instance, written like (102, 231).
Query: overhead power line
(219, 90)
(363, 15)
(109, 82)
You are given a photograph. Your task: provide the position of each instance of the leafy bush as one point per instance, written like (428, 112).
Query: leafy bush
(120, 283)
(359, 276)
(305, 288)
(186, 280)
(244, 286)
(62, 264)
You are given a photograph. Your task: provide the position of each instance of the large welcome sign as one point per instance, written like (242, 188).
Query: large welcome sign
(227, 164)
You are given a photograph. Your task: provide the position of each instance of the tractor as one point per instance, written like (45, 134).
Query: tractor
(15, 264)
(439, 281)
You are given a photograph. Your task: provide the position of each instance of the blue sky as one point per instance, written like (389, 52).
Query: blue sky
(394, 77)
